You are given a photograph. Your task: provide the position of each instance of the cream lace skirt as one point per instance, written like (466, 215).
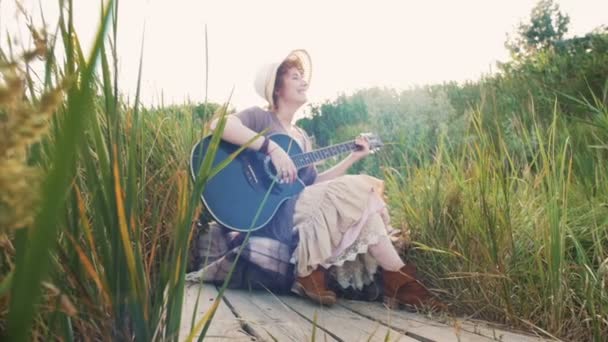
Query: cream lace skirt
(337, 221)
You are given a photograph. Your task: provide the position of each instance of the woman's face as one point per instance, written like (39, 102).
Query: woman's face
(294, 87)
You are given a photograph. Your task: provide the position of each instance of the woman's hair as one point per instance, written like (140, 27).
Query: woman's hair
(283, 69)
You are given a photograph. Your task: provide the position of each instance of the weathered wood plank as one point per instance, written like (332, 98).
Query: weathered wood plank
(345, 324)
(494, 333)
(224, 325)
(457, 330)
(270, 318)
(289, 318)
(410, 323)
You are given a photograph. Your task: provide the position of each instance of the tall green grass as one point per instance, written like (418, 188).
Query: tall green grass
(519, 238)
(106, 253)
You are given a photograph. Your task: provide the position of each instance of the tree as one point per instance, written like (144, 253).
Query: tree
(205, 110)
(547, 26)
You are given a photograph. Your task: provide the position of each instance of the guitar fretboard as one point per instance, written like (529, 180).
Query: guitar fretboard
(309, 158)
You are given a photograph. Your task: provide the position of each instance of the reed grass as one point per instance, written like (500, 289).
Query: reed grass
(517, 239)
(108, 235)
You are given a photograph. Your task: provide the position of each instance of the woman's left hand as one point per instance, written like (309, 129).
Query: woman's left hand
(363, 150)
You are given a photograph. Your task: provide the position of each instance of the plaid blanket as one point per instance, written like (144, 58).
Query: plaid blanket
(263, 264)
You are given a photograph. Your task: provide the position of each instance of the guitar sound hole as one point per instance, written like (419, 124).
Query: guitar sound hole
(258, 179)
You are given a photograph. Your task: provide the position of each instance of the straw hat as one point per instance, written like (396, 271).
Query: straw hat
(267, 74)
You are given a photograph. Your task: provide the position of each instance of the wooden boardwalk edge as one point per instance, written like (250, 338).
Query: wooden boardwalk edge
(263, 316)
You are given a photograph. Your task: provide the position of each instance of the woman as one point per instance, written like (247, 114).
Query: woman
(338, 222)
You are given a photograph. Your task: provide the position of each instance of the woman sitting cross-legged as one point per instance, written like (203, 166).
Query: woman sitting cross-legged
(338, 222)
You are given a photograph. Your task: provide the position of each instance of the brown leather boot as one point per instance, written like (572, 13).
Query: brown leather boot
(401, 288)
(313, 286)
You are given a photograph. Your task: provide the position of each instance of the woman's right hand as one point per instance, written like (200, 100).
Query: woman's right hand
(286, 169)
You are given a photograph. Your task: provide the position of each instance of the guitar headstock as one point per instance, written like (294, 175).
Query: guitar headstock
(375, 143)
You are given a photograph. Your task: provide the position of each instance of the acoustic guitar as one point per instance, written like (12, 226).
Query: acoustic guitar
(246, 193)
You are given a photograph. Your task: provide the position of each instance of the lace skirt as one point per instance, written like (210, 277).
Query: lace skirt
(337, 221)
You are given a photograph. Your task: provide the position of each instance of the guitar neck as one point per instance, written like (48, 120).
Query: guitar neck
(305, 159)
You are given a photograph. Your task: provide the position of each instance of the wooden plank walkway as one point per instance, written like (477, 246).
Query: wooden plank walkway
(263, 316)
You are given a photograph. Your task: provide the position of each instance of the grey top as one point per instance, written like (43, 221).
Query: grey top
(280, 226)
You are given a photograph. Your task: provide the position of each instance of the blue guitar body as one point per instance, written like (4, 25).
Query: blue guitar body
(234, 195)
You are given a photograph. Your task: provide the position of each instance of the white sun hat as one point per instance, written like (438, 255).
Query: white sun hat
(267, 74)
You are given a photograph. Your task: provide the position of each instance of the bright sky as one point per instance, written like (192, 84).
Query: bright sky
(353, 44)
